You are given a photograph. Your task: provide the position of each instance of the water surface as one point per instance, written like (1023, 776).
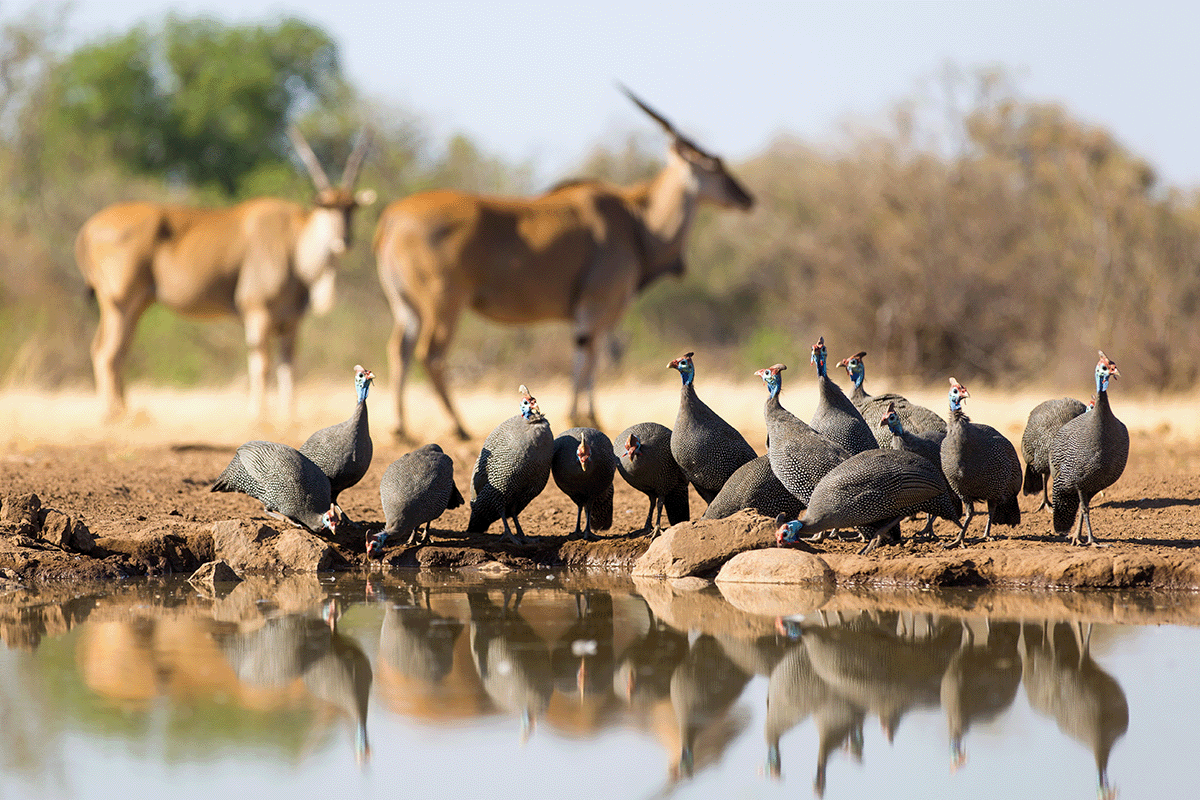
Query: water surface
(562, 685)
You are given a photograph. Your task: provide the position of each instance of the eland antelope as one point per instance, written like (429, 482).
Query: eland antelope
(580, 252)
(264, 260)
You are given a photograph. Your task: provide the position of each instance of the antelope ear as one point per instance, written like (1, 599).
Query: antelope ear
(365, 197)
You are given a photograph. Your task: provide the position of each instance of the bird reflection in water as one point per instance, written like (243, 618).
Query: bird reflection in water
(981, 681)
(291, 647)
(1064, 683)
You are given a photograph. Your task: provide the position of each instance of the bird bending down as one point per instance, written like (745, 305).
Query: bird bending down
(707, 448)
(981, 465)
(872, 491)
(343, 451)
(927, 445)
(1044, 421)
(512, 469)
(416, 489)
(646, 464)
(288, 484)
(1087, 455)
(583, 467)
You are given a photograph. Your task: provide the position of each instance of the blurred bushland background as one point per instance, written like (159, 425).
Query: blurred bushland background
(968, 231)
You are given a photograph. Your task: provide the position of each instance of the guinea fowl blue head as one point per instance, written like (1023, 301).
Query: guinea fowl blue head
(633, 447)
(788, 532)
(854, 367)
(584, 454)
(958, 393)
(529, 406)
(1106, 368)
(687, 370)
(362, 381)
(375, 544)
(329, 520)
(772, 378)
(818, 356)
(892, 420)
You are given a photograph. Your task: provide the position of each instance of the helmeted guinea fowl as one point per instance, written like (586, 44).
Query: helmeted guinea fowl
(927, 445)
(512, 469)
(836, 418)
(1044, 421)
(646, 464)
(1087, 455)
(707, 448)
(754, 485)
(981, 465)
(285, 481)
(916, 419)
(343, 451)
(416, 489)
(583, 467)
(872, 491)
(799, 455)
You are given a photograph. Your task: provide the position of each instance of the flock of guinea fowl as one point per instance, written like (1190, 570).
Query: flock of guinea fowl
(862, 464)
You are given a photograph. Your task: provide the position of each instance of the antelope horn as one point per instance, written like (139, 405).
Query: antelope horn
(355, 162)
(660, 119)
(309, 158)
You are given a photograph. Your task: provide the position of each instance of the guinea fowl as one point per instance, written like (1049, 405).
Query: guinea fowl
(981, 465)
(836, 418)
(872, 491)
(512, 469)
(646, 464)
(343, 451)
(416, 489)
(754, 485)
(583, 467)
(916, 419)
(1087, 455)
(799, 455)
(707, 448)
(1044, 421)
(285, 481)
(928, 445)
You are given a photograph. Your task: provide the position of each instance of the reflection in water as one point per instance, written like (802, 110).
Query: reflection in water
(581, 658)
(299, 647)
(1064, 683)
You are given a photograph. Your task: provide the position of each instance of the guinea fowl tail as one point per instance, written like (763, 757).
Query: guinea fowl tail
(1006, 511)
(1066, 504)
(601, 510)
(676, 505)
(1033, 481)
(456, 499)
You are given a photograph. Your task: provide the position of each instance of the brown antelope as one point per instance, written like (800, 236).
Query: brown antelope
(263, 260)
(580, 252)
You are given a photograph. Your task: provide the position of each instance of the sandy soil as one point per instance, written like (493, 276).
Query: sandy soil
(155, 467)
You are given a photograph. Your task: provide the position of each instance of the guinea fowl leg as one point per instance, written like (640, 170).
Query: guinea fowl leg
(588, 535)
(926, 533)
(650, 516)
(1046, 503)
(521, 539)
(508, 536)
(660, 501)
(1085, 517)
(871, 545)
(961, 539)
(578, 517)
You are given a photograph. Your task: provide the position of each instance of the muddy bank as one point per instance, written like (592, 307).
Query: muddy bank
(108, 511)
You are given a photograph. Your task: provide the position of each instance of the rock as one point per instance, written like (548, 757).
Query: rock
(212, 573)
(61, 531)
(701, 547)
(162, 547)
(775, 565)
(690, 606)
(19, 514)
(260, 548)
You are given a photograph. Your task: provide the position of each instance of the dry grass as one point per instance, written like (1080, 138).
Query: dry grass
(219, 417)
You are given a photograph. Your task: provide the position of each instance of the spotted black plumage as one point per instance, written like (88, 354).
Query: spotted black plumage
(343, 451)
(416, 489)
(981, 465)
(835, 417)
(928, 445)
(284, 480)
(1044, 421)
(646, 464)
(1087, 455)
(512, 469)
(754, 485)
(872, 491)
(707, 448)
(583, 467)
(915, 419)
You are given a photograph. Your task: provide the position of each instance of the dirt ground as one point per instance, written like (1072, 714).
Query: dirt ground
(153, 470)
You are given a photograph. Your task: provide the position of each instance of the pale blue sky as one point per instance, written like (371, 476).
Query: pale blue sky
(535, 80)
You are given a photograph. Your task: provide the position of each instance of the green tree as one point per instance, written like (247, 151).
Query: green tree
(198, 101)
